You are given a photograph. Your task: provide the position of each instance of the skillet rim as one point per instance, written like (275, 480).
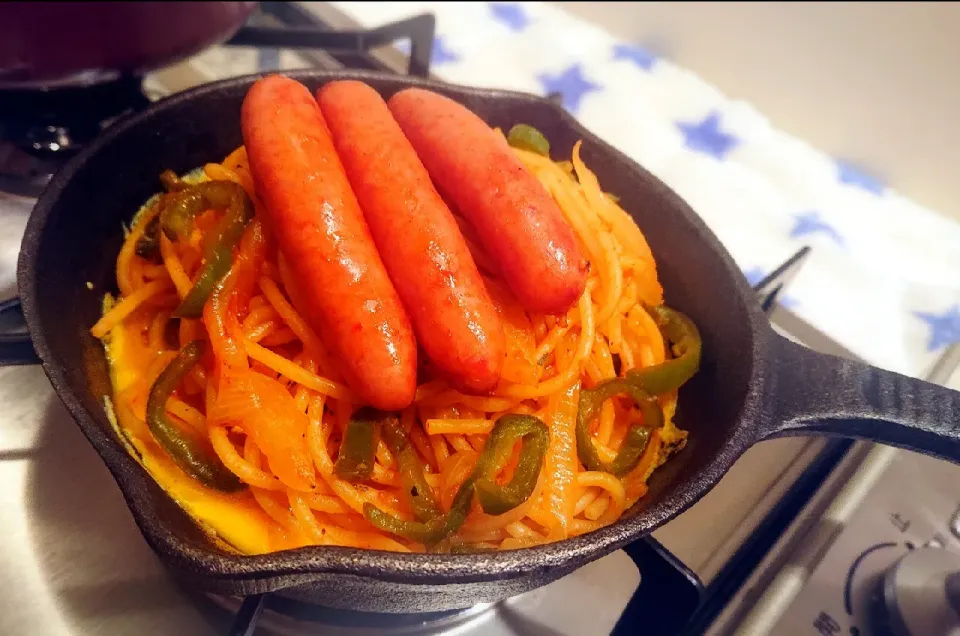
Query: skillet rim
(295, 566)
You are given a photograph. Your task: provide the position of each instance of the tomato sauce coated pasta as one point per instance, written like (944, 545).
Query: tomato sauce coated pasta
(269, 400)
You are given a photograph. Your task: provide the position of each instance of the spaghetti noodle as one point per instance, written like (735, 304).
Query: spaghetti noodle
(303, 403)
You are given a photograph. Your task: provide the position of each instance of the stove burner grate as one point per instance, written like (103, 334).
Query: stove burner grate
(42, 129)
(287, 617)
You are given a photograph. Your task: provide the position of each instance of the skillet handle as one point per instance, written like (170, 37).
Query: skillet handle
(819, 394)
(15, 345)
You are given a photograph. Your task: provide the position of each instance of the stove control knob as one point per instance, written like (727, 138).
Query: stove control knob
(955, 524)
(921, 594)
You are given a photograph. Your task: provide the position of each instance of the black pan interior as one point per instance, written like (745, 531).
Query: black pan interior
(76, 231)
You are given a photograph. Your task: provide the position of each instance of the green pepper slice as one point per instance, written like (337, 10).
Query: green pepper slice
(184, 202)
(422, 503)
(508, 429)
(148, 245)
(171, 182)
(496, 499)
(671, 374)
(358, 450)
(528, 138)
(591, 400)
(176, 217)
(188, 453)
(642, 385)
(429, 532)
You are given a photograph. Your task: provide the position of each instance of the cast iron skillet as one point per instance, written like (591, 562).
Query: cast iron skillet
(753, 384)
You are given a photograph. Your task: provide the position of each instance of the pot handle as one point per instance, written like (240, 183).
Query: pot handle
(818, 394)
(15, 345)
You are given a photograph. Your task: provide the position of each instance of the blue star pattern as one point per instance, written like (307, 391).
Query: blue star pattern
(571, 83)
(440, 54)
(811, 223)
(511, 14)
(944, 328)
(706, 137)
(638, 55)
(756, 274)
(851, 175)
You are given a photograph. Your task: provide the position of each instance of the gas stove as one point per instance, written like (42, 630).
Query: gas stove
(39, 130)
(769, 550)
(886, 523)
(42, 129)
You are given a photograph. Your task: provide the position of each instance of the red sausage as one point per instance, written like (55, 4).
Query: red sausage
(419, 241)
(517, 221)
(320, 229)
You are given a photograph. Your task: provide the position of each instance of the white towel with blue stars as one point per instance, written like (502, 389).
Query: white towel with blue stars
(884, 274)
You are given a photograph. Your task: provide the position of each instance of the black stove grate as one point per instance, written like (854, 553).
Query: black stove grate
(279, 615)
(287, 25)
(42, 129)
